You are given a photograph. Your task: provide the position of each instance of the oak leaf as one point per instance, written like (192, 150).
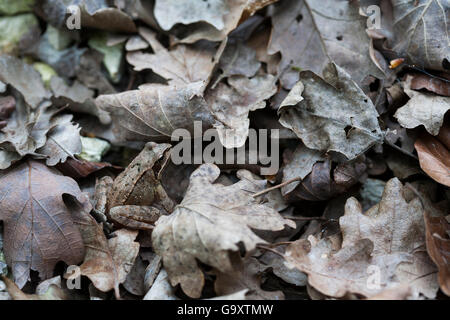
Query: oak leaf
(107, 261)
(331, 114)
(205, 226)
(389, 237)
(438, 247)
(181, 66)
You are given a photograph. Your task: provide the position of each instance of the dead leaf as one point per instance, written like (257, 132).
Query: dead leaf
(23, 78)
(331, 114)
(161, 288)
(400, 292)
(181, 66)
(77, 169)
(108, 261)
(170, 12)
(434, 158)
(63, 140)
(53, 292)
(422, 109)
(310, 34)
(324, 182)
(206, 225)
(403, 233)
(298, 165)
(438, 247)
(39, 229)
(247, 275)
(77, 97)
(336, 268)
(421, 32)
(432, 84)
(232, 103)
(154, 111)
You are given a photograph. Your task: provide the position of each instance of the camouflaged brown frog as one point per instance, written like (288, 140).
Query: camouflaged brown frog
(136, 198)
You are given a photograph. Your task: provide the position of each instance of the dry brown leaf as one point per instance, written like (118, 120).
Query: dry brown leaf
(180, 66)
(310, 34)
(389, 237)
(422, 81)
(108, 261)
(438, 246)
(154, 111)
(205, 226)
(39, 228)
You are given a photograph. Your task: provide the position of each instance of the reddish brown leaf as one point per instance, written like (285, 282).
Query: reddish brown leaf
(434, 158)
(438, 247)
(422, 81)
(39, 230)
(81, 169)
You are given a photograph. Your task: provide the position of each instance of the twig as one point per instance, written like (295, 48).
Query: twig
(400, 149)
(307, 218)
(276, 187)
(259, 246)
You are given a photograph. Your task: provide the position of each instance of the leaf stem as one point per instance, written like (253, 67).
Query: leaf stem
(276, 187)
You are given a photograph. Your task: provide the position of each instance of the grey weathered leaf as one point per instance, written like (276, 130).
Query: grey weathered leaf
(421, 32)
(63, 140)
(77, 97)
(170, 12)
(310, 34)
(422, 109)
(23, 78)
(25, 132)
(94, 14)
(388, 238)
(232, 103)
(331, 114)
(299, 165)
(239, 59)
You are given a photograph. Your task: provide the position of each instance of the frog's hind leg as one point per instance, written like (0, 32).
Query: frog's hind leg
(135, 217)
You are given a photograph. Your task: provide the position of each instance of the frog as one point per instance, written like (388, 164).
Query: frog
(136, 198)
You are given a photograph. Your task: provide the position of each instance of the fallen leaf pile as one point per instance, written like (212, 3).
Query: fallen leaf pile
(95, 205)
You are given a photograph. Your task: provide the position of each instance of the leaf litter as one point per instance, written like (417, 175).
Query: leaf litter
(90, 189)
